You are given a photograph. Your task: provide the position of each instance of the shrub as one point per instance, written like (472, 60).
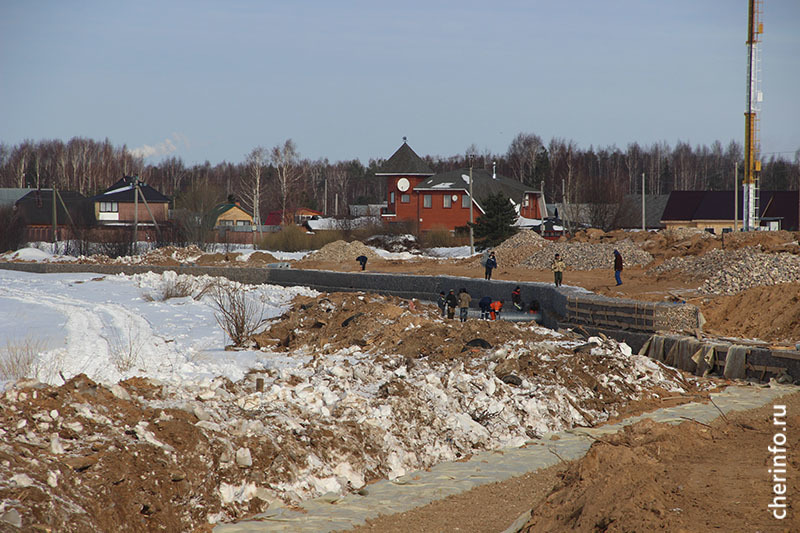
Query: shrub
(239, 316)
(170, 288)
(18, 359)
(293, 238)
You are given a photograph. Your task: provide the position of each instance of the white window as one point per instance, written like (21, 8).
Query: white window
(109, 207)
(448, 201)
(405, 198)
(226, 222)
(391, 197)
(427, 201)
(465, 200)
(242, 222)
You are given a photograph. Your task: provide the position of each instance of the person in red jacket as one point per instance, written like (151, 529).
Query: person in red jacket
(618, 266)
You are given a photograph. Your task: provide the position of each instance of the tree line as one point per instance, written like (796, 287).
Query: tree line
(278, 178)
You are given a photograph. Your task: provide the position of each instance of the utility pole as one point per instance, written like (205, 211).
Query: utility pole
(735, 195)
(135, 214)
(644, 224)
(471, 219)
(55, 219)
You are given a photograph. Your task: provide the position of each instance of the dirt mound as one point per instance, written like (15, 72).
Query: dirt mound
(83, 459)
(757, 313)
(384, 323)
(341, 252)
(657, 477)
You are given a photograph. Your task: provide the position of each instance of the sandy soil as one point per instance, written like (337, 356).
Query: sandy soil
(649, 477)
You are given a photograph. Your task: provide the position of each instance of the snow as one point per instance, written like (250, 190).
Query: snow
(115, 327)
(105, 327)
(34, 255)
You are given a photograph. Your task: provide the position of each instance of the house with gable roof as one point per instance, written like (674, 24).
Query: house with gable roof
(117, 205)
(434, 201)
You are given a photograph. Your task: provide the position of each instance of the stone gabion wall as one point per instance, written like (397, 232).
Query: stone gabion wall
(593, 309)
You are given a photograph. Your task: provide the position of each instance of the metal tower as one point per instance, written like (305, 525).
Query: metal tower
(752, 147)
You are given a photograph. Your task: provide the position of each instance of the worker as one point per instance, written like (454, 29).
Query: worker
(491, 263)
(618, 267)
(463, 304)
(495, 309)
(451, 302)
(558, 267)
(485, 305)
(441, 302)
(363, 260)
(516, 298)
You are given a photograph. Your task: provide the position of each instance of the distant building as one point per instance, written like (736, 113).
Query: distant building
(36, 211)
(228, 214)
(714, 210)
(116, 206)
(442, 201)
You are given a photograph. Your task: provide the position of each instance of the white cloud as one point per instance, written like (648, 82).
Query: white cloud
(167, 146)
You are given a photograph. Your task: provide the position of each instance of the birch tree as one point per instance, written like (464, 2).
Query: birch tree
(251, 188)
(284, 158)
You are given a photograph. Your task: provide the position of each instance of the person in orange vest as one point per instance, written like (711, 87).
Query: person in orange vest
(495, 307)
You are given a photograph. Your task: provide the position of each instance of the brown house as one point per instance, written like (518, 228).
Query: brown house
(116, 206)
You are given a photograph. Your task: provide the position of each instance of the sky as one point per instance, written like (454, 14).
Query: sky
(210, 80)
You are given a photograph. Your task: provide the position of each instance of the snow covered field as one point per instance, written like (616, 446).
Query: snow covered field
(105, 327)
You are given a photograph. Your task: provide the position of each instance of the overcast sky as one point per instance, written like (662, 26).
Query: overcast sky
(210, 80)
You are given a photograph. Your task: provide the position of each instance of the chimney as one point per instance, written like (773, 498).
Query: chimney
(494, 170)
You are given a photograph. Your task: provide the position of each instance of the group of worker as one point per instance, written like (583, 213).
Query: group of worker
(490, 309)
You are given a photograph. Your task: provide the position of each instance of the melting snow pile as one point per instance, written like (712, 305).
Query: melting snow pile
(328, 406)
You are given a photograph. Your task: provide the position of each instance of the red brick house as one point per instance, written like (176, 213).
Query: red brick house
(442, 201)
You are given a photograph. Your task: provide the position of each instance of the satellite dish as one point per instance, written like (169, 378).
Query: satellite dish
(403, 184)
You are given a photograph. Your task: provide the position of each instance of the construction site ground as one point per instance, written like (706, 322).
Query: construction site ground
(144, 456)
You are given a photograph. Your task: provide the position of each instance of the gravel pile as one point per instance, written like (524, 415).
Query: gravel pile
(733, 271)
(589, 256)
(753, 269)
(518, 248)
(342, 252)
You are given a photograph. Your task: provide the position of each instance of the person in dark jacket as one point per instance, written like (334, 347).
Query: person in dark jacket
(485, 303)
(362, 259)
(618, 267)
(441, 302)
(491, 263)
(451, 302)
(516, 298)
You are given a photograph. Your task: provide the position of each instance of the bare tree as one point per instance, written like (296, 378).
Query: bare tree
(250, 186)
(522, 156)
(285, 160)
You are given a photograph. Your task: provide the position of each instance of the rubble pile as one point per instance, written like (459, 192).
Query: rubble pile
(753, 269)
(518, 248)
(328, 408)
(341, 252)
(733, 271)
(394, 243)
(589, 256)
